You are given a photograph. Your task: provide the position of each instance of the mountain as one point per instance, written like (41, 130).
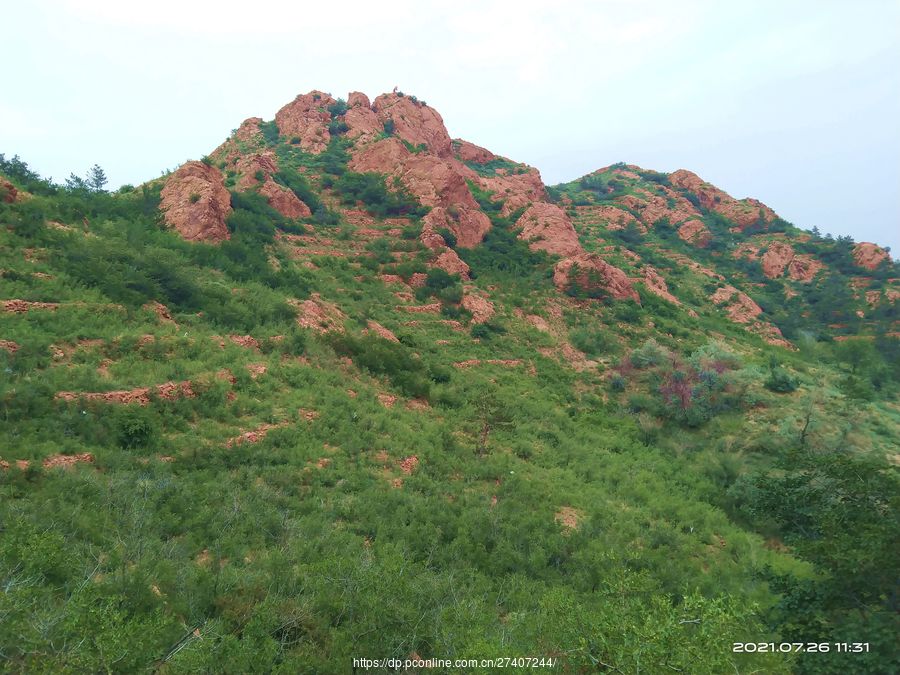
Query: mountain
(350, 388)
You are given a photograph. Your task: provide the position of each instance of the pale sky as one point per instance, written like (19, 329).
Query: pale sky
(795, 103)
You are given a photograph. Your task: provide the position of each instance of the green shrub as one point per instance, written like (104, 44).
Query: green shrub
(383, 357)
(270, 132)
(370, 189)
(487, 330)
(780, 381)
(136, 427)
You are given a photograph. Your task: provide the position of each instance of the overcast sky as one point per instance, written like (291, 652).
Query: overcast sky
(794, 103)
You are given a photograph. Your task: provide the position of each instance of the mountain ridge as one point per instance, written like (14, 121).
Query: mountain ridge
(384, 392)
(419, 157)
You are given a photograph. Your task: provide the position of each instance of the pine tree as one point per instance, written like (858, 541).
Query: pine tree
(96, 178)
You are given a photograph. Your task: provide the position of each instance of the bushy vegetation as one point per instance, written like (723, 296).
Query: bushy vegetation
(371, 191)
(316, 492)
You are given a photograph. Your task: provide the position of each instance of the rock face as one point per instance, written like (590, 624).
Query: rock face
(362, 122)
(776, 259)
(307, 118)
(196, 203)
(780, 256)
(248, 167)
(593, 275)
(414, 122)
(612, 217)
(257, 170)
(653, 208)
(481, 308)
(656, 284)
(284, 200)
(8, 191)
(548, 228)
(740, 307)
(451, 263)
(469, 152)
(744, 212)
(436, 182)
(869, 256)
(695, 232)
(517, 190)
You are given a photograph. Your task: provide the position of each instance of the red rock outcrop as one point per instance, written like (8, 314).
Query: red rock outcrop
(776, 258)
(695, 232)
(249, 130)
(740, 307)
(414, 122)
(9, 346)
(780, 257)
(67, 461)
(248, 167)
(516, 190)
(8, 191)
(196, 202)
(380, 331)
(656, 284)
(141, 395)
(803, 268)
(869, 256)
(434, 182)
(481, 308)
(468, 224)
(307, 118)
(592, 274)
(469, 152)
(612, 217)
(653, 208)
(451, 263)
(245, 138)
(744, 212)
(319, 315)
(22, 306)
(547, 228)
(284, 200)
(362, 122)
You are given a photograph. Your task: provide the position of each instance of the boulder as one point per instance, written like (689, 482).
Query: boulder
(592, 274)
(196, 203)
(547, 228)
(284, 200)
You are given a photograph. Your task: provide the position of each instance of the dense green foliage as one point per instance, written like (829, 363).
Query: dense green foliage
(626, 488)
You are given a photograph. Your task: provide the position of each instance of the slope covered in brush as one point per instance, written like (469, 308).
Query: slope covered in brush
(349, 387)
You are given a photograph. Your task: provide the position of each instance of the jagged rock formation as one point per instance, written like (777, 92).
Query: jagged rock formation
(869, 256)
(406, 141)
(306, 119)
(196, 202)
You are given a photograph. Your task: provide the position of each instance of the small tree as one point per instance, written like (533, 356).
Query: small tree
(96, 179)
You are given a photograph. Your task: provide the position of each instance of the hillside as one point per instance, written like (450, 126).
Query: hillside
(348, 387)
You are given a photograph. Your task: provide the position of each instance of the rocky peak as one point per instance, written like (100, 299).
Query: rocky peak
(306, 118)
(744, 212)
(414, 122)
